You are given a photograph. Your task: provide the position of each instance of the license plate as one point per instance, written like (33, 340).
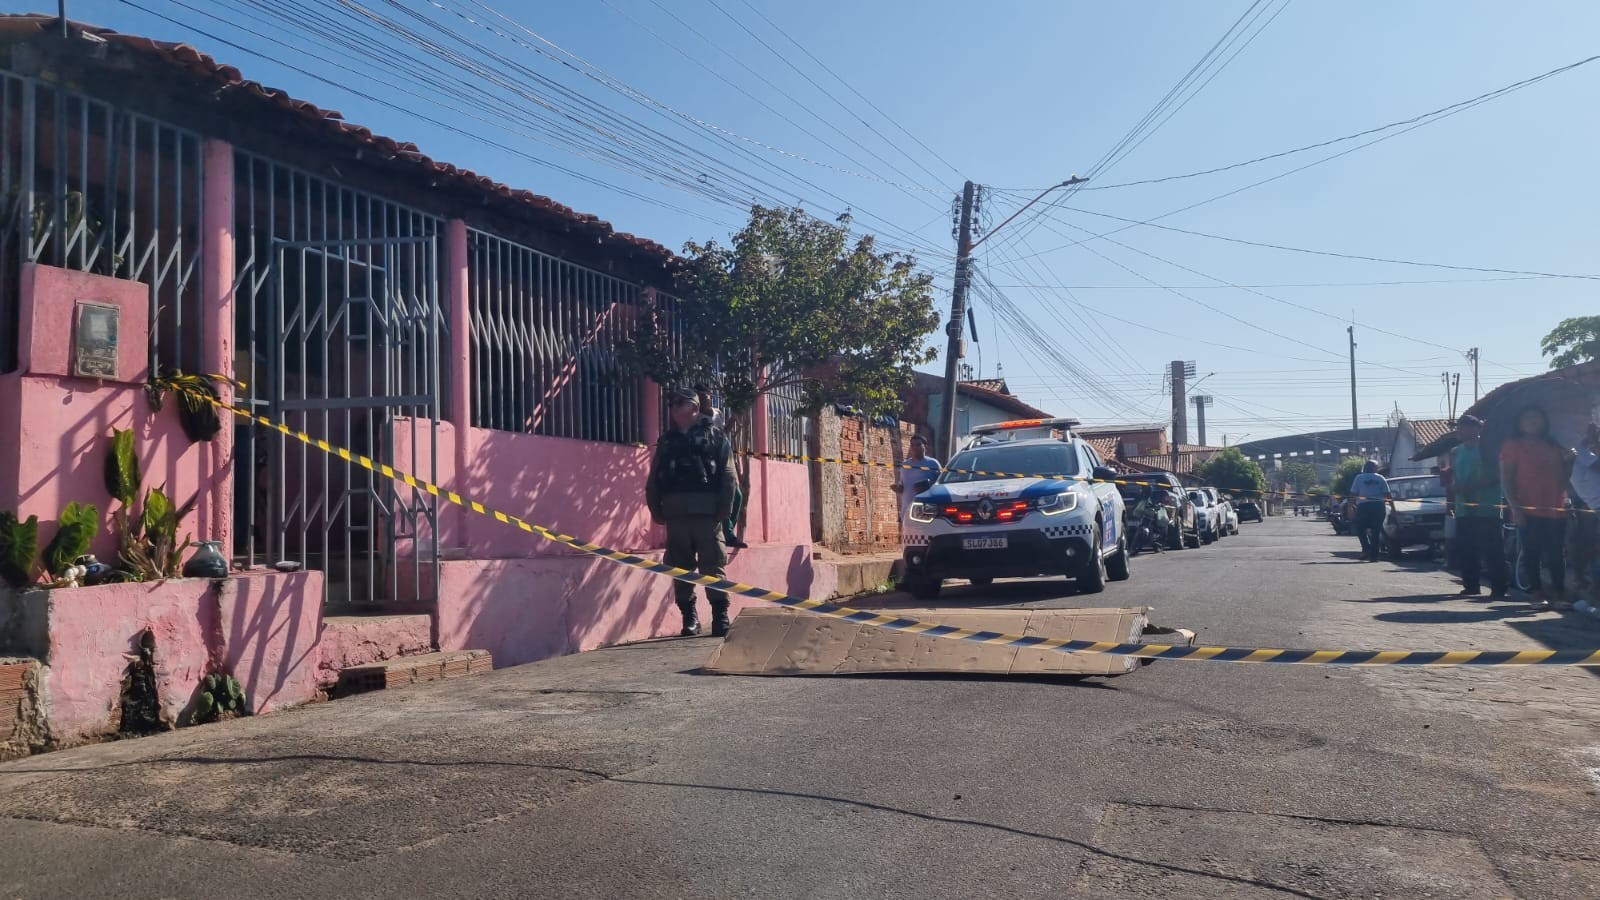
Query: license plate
(984, 543)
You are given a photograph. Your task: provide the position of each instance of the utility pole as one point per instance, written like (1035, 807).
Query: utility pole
(1201, 401)
(1473, 356)
(1178, 374)
(958, 315)
(1355, 422)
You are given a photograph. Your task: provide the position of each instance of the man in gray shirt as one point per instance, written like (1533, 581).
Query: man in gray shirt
(1371, 491)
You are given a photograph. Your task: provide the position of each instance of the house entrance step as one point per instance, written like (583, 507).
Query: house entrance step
(357, 640)
(412, 670)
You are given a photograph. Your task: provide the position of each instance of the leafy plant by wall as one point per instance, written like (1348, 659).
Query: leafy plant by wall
(19, 547)
(220, 695)
(147, 543)
(200, 418)
(79, 522)
(122, 468)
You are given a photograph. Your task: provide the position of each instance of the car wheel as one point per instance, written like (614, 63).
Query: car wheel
(924, 588)
(1117, 567)
(1092, 580)
(1174, 538)
(981, 582)
(1192, 541)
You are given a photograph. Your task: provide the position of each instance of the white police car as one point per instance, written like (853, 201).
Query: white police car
(1022, 499)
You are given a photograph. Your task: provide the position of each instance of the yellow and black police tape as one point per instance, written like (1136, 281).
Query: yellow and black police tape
(931, 629)
(1128, 480)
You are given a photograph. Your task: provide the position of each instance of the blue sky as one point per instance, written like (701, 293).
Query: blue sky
(1018, 96)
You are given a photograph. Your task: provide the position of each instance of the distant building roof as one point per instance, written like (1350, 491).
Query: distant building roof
(1430, 430)
(1184, 464)
(1120, 429)
(925, 383)
(1105, 446)
(991, 384)
(1569, 396)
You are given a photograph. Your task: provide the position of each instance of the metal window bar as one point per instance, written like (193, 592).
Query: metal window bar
(546, 336)
(94, 188)
(338, 324)
(787, 432)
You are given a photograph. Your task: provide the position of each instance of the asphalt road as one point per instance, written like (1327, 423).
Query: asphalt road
(622, 773)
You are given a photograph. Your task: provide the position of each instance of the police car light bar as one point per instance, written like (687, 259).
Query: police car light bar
(1025, 423)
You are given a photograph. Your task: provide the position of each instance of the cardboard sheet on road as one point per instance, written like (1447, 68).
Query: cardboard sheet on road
(773, 641)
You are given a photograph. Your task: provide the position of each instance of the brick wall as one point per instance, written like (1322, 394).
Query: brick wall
(858, 510)
(19, 730)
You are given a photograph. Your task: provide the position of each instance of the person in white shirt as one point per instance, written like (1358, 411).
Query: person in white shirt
(1371, 491)
(1583, 538)
(919, 472)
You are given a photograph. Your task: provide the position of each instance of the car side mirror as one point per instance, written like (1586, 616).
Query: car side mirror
(1105, 473)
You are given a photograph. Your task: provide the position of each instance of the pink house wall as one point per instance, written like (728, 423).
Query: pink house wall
(523, 610)
(590, 489)
(61, 425)
(60, 431)
(261, 627)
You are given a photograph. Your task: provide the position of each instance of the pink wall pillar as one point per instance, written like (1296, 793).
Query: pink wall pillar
(459, 362)
(761, 435)
(215, 521)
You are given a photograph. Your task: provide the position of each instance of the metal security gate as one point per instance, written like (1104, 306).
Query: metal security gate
(352, 357)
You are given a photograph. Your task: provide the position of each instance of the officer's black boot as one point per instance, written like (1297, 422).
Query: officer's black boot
(719, 618)
(691, 618)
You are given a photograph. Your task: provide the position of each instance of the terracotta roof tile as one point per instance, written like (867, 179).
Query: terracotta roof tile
(222, 76)
(1430, 430)
(1105, 446)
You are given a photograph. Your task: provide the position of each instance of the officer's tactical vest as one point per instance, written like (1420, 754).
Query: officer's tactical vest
(692, 461)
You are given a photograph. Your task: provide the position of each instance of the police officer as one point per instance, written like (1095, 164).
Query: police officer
(691, 491)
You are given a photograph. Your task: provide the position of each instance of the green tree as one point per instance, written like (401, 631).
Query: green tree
(1298, 476)
(791, 302)
(1229, 470)
(1574, 341)
(1348, 469)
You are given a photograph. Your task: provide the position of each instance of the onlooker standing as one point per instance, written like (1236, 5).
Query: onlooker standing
(1371, 492)
(1533, 473)
(919, 470)
(1585, 536)
(1476, 489)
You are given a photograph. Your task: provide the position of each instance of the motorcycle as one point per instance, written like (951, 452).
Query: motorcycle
(1147, 531)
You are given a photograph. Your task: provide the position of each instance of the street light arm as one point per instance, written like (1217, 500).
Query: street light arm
(1042, 194)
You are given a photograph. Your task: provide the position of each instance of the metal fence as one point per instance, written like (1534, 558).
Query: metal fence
(94, 188)
(339, 326)
(546, 336)
(787, 432)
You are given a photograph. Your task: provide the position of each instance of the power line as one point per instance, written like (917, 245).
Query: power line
(812, 81)
(1258, 293)
(1217, 71)
(1143, 128)
(1337, 255)
(909, 189)
(864, 98)
(1439, 113)
(1314, 284)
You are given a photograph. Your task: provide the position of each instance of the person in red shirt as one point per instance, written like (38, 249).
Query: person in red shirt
(1534, 473)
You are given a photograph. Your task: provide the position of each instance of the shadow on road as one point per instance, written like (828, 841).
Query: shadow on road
(1076, 681)
(1409, 598)
(1454, 616)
